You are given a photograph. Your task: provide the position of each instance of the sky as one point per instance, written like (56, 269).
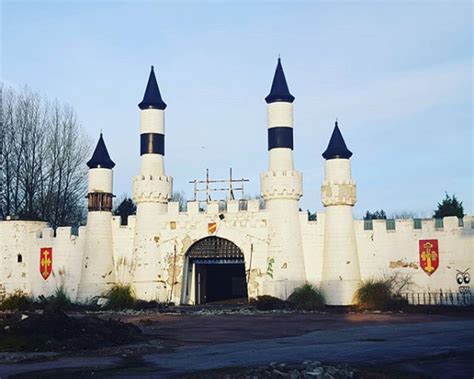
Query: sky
(397, 76)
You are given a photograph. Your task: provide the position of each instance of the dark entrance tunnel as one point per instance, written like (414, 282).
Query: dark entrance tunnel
(219, 270)
(218, 282)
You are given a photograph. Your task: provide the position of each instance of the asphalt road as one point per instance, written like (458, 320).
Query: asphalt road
(405, 345)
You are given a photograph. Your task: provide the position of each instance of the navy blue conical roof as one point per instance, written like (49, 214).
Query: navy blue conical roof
(337, 147)
(101, 157)
(152, 98)
(279, 91)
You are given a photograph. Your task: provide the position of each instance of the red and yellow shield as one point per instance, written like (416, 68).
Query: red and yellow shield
(211, 227)
(46, 262)
(429, 256)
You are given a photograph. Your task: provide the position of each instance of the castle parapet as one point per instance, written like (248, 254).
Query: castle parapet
(151, 188)
(286, 184)
(431, 225)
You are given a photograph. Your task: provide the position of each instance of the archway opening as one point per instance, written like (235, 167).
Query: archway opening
(217, 267)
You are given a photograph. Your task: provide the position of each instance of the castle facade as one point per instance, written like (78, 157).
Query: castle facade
(237, 250)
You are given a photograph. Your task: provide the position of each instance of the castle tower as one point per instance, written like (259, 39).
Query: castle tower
(151, 192)
(97, 274)
(341, 273)
(282, 187)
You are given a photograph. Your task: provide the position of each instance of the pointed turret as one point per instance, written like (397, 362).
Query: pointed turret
(98, 272)
(151, 191)
(282, 186)
(279, 91)
(338, 195)
(101, 157)
(337, 147)
(152, 98)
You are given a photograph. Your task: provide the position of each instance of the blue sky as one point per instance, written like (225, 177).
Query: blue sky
(397, 75)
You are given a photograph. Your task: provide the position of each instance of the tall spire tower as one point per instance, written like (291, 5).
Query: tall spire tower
(282, 187)
(151, 192)
(97, 274)
(341, 272)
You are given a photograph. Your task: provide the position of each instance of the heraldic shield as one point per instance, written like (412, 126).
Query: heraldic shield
(429, 256)
(211, 227)
(46, 262)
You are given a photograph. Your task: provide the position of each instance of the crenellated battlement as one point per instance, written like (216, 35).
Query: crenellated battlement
(151, 188)
(63, 233)
(131, 221)
(286, 184)
(235, 213)
(417, 225)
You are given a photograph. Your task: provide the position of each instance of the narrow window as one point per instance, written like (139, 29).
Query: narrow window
(19, 258)
(417, 223)
(368, 225)
(390, 224)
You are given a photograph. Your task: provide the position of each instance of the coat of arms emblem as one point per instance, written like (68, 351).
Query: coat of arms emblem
(429, 256)
(46, 262)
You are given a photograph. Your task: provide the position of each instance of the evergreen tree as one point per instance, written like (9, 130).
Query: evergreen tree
(450, 206)
(126, 208)
(377, 215)
(311, 216)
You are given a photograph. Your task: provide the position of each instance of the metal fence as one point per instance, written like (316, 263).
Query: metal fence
(439, 298)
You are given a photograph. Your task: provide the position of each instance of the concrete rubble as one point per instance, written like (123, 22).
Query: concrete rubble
(305, 370)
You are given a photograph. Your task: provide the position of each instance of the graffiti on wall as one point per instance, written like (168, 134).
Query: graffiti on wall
(463, 278)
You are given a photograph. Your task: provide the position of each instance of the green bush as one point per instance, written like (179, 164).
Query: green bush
(268, 303)
(60, 300)
(307, 298)
(16, 302)
(120, 296)
(374, 295)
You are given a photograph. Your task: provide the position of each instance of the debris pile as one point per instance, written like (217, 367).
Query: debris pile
(305, 370)
(56, 331)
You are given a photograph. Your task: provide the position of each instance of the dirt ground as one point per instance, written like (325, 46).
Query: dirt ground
(193, 330)
(190, 328)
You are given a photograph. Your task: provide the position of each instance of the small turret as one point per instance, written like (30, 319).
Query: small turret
(100, 178)
(341, 272)
(97, 274)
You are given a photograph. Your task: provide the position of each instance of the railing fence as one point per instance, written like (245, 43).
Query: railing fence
(439, 298)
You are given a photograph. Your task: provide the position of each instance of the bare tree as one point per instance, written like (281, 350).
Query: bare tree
(404, 215)
(44, 151)
(180, 197)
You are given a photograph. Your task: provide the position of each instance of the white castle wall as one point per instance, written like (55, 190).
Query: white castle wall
(312, 233)
(67, 260)
(27, 238)
(16, 240)
(122, 237)
(177, 231)
(384, 252)
(381, 252)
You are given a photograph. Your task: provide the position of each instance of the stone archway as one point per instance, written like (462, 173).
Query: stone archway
(216, 271)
